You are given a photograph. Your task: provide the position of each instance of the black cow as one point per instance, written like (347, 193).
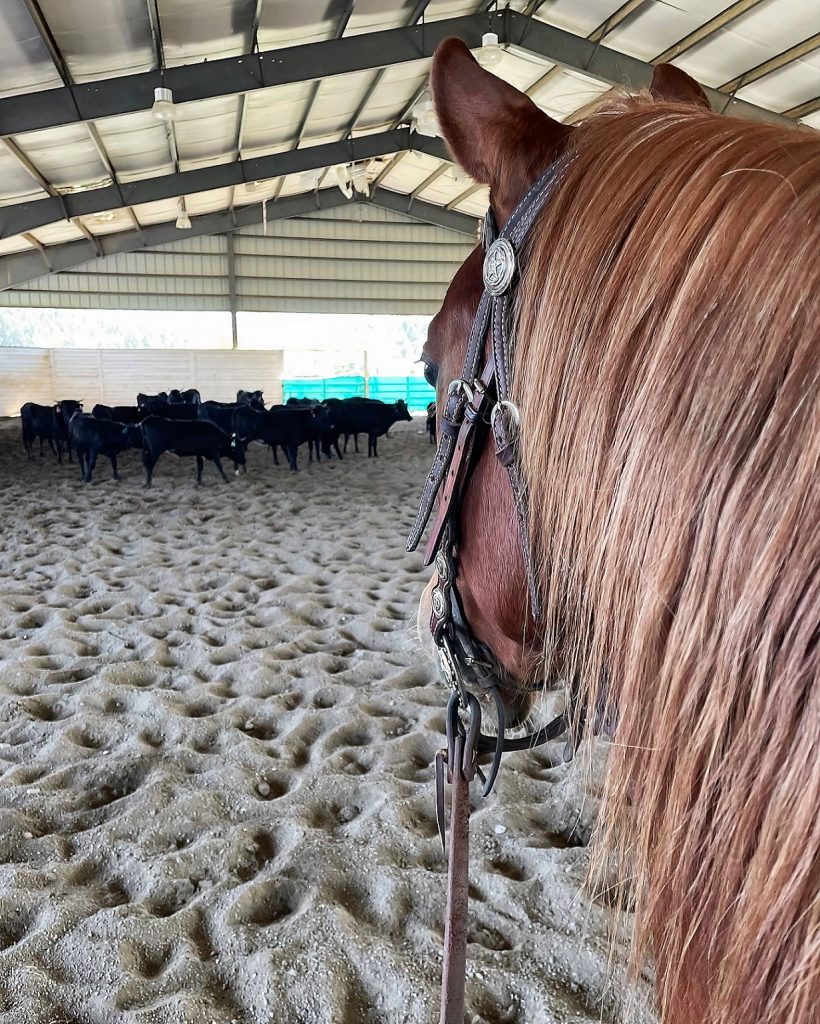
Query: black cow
(305, 403)
(66, 408)
(119, 413)
(252, 398)
(220, 413)
(184, 438)
(287, 428)
(430, 423)
(189, 397)
(366, 416)
(42, 422)
(147, 401)
(171, 410)
(93, 437)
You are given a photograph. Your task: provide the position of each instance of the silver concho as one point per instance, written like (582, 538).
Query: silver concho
(441, 565)
(439, 606)
(499, 267)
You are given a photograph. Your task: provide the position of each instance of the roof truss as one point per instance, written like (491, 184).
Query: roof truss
(16, 219)
(19, 268)
(369, 51)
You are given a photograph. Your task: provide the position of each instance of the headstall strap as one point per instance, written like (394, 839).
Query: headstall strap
(476, 401)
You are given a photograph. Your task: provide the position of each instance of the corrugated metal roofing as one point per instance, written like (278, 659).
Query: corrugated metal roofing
(763, 52)
(358, 259)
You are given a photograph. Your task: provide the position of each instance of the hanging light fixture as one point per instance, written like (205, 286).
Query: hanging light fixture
(490, 54)
(425, 121)
(184, 221)
(163, 108)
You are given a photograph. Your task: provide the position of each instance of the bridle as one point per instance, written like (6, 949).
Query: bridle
(477, 402)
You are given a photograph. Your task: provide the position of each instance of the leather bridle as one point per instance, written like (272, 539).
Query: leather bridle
(477, 403)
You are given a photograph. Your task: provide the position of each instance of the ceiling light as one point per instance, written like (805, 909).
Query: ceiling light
(490, 54)
(425, 121)
(184, 222)
(163, 108)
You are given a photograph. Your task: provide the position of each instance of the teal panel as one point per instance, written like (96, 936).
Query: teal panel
(415, 391)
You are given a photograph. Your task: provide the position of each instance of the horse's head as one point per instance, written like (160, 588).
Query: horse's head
(502, 139)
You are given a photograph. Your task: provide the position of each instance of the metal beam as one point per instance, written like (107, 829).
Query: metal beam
(78, 224)
(793, 53)
(612, 67)
(25, 216)
(41, 249)
(396, 202)
(616, 18)
(32, 171)
(230, 249)
(709, 28)
(803, 109)
(314, 89)
(308, 62)
(231, 76)
(18, 268)
(388, 167)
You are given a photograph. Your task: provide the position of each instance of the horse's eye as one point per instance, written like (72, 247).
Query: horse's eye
(430, 372)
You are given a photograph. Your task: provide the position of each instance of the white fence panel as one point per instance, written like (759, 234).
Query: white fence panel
(25, 376)
(114, 377)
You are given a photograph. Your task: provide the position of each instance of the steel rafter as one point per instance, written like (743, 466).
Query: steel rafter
(18, 268)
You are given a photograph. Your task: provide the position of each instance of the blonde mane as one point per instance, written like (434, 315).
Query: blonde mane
(668, 376)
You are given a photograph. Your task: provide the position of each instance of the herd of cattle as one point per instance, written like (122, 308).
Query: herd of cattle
(181, 423)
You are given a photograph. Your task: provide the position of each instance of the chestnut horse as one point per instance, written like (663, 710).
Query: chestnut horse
(665, 366)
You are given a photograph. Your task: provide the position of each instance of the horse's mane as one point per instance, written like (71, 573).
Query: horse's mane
(667, 365)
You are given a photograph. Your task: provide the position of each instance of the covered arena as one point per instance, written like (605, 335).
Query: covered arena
(218, 722)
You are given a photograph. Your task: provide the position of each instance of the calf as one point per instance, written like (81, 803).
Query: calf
(184, 438)
(119, 413)
(93, 437)
(42, 422)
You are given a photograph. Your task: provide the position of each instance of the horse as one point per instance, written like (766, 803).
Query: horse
(665, 371)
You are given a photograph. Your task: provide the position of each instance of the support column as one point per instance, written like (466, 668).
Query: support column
(232, 302)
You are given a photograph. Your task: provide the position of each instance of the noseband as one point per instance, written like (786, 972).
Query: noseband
(478, 402)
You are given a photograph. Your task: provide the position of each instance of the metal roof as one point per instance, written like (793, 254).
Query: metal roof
(266, 90)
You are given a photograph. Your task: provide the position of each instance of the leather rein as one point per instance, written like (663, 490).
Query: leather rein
(477, 401)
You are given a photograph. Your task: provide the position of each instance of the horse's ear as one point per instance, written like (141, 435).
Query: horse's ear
(670, 83)
(497, 134)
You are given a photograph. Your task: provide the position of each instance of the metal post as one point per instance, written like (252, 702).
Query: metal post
(231, 254)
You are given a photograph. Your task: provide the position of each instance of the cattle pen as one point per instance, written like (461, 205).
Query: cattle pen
(225, 230)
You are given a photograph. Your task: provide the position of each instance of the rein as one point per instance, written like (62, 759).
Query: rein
(478, 402)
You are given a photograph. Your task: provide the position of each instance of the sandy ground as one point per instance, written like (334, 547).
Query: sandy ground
(217, 733)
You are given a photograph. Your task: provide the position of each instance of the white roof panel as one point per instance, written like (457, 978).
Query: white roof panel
(103, 38)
